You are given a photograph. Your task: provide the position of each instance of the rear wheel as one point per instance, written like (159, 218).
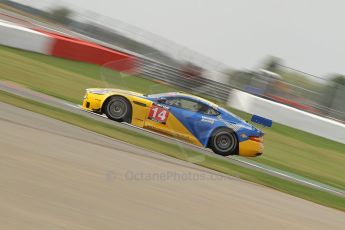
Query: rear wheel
(118, 108)
(224, 142)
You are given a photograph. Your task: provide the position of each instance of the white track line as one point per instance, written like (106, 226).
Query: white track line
(308, 182)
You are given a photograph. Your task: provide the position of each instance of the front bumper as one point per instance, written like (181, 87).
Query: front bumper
(92, 102)
(250, 148)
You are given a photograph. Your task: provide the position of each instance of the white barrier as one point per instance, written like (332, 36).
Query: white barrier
(24, 38)
(288, 116)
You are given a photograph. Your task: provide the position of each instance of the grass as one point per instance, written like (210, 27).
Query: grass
(174, 150)
(303, 153)
(66, 79)
(285, 147)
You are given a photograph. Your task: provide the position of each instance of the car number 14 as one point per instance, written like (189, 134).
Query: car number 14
(158, 114)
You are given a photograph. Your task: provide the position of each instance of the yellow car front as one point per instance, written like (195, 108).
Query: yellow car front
(94, 98)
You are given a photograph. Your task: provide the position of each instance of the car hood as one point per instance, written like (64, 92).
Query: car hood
(227, 116)
(111, 91)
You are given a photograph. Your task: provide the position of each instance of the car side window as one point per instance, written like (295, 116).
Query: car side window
(173, 101)
(210, 111)
(191, 105)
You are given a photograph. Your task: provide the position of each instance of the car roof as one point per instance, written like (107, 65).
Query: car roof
(185, 95)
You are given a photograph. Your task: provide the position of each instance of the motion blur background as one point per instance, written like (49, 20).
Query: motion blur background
(280, 60)
(164, 60)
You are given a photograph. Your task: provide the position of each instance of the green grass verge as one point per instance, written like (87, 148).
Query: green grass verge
(66, 79)
(176, 151)
(285, 148)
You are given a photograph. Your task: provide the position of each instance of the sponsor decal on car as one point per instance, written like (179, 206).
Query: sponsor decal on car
(207, 119)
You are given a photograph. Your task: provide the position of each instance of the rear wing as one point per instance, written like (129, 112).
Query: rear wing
(261, 121)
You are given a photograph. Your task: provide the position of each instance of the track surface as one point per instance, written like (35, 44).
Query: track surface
(245, 162)
(58, 176)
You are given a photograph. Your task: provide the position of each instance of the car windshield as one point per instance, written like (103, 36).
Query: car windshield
(161, 95)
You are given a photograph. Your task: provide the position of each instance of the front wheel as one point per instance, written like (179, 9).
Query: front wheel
(118, 109)
(223, 142)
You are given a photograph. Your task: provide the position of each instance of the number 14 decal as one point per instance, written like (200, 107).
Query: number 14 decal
(158, 114)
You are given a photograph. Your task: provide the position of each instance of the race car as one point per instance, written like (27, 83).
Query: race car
(183, 116)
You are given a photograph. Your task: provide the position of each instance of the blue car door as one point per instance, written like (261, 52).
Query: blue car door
(197, 117)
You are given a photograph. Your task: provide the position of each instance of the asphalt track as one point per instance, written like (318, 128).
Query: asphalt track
(245, 162)
(59, 176)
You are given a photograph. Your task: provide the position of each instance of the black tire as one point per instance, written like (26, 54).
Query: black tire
(224, 142)
(118, 108)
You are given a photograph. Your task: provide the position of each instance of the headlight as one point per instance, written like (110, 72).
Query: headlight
(257, 139)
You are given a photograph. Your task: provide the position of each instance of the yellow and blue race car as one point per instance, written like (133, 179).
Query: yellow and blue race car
(183, 116)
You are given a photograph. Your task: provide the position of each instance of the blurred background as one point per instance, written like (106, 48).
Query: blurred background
(282, 60)
(165, 61)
